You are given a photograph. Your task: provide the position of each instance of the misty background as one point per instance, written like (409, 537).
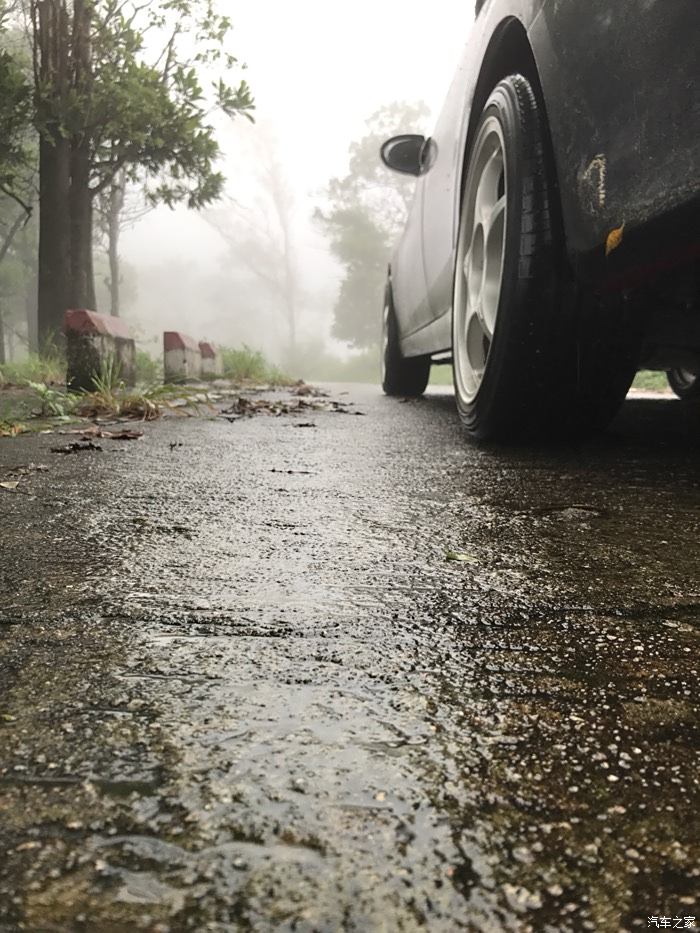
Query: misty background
(318, 72)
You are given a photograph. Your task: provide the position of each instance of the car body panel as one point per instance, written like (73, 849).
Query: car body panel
(623, 109)
(619, 89)
(442, 184)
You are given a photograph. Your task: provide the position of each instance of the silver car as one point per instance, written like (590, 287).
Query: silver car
(552, 246)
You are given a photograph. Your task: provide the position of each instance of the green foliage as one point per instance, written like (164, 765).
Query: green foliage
(154, 87)
(145, 404)
(18, 163)
(363, 217)
(11, 428)
(15, 120)
(244, 364)
(651, 381)
(49, 369)
(441, 376)
(315, 364)
(109, 376)
(54, 403)
(148, 370)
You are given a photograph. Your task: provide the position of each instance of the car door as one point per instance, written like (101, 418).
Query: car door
(440, 215)
(407, 277)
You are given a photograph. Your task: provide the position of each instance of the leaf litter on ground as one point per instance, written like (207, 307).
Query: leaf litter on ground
(460, 557)
(96, 431)
(12, 429)
(11, 485)
(29, 468)
(245, 407)
(76, 448)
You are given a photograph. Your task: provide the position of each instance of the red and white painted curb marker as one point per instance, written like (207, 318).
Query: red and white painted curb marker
(212, 364)
(183, 360)
(98, 345)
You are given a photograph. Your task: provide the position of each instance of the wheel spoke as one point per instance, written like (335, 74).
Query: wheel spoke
(495, 214)
(465, 264)
(486, 325)
(478, 339)
(487, 192)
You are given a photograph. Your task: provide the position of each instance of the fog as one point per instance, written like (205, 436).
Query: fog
(318, 71)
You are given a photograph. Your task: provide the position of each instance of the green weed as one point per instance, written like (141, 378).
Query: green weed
(49, 369)
(144, 404)
(650, 381)
(245, 365)
(54, 403)
(148, 370)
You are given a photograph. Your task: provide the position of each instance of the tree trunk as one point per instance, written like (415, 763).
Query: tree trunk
(82, 289)
(31, 315)
(52, 67)
(82, 279)
(54, 240)
(117, 197)
(3, 358)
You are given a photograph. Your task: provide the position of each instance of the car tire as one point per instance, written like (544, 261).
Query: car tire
(685, 384)
(532, 356)
(401, 375)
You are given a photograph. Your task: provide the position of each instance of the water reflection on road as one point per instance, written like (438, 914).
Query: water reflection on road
(275, 705)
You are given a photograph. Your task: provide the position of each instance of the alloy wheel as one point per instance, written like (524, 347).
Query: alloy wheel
(480, 256)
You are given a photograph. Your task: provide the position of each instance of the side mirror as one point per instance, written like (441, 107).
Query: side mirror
(404, 153)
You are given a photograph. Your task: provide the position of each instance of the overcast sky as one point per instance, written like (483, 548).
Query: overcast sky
(318, 70)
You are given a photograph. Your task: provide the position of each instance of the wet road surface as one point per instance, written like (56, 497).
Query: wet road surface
(241, 688)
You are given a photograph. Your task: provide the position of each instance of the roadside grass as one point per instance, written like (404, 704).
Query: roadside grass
(12, 428)
(39, 407)
(149, 371)
(316, 365)
(49, 369)
(146, 403)
(651, 381)
(244, 365)
(111, 398)
(441, 375)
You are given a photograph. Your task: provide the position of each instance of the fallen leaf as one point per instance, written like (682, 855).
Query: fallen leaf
(8, 429)
(11, 486)
(75, 448)
(30, 468)
(87, 434)
(460, 557)
(292, 472)
(126, 436)
(614, 239)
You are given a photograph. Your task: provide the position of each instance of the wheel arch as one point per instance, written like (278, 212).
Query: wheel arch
(508, 52)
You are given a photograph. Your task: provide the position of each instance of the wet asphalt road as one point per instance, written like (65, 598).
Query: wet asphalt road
(242, 689)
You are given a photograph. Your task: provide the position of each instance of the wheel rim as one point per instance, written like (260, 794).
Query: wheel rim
(480, 255)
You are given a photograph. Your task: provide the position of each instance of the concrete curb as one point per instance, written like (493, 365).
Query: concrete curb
(212, 364)
(183, 359)
(95, 344)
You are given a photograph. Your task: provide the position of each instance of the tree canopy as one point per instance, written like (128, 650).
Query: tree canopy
(113, 89)
(364, 213)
